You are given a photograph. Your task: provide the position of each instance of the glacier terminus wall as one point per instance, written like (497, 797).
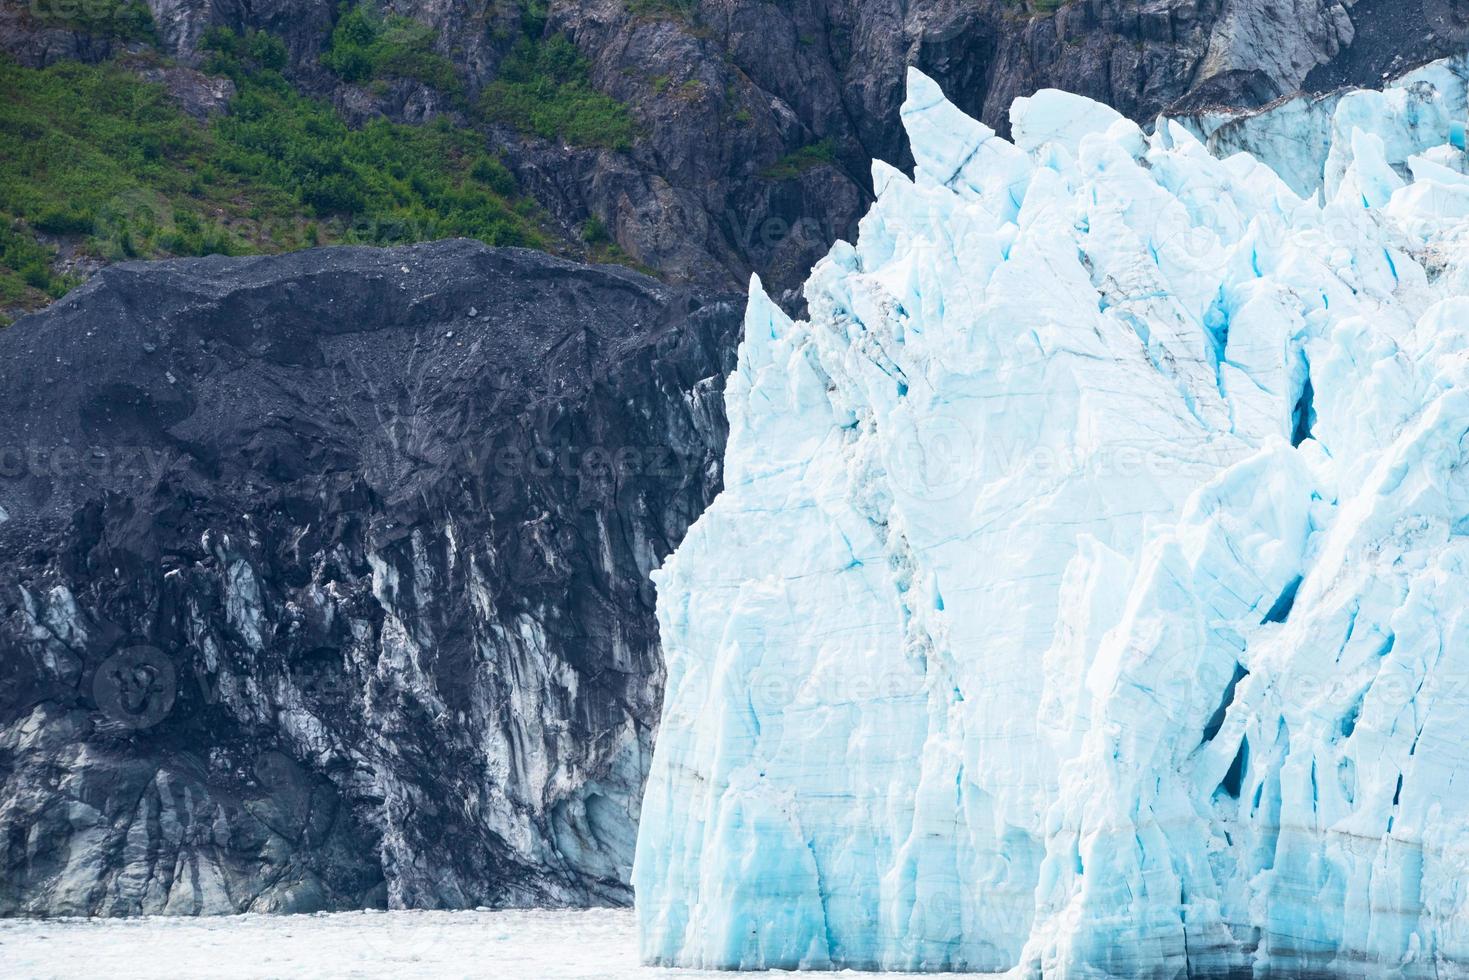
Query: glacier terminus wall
(1089, 592)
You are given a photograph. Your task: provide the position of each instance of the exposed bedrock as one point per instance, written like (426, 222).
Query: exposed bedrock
(325, 577)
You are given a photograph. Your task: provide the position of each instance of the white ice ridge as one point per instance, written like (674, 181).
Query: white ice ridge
(1089, 593)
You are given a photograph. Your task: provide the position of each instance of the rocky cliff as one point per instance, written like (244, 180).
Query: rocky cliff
(756, 121)
(325, 578)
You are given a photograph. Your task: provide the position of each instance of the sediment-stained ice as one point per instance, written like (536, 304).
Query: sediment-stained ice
(1089, 593)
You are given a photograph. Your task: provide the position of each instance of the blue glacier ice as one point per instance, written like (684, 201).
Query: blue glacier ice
(1423, 110)
(1090, 590)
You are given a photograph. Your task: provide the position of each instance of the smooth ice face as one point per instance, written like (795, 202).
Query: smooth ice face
(1089, 590)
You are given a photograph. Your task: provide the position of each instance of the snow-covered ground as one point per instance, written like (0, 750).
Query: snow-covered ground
(508, 945)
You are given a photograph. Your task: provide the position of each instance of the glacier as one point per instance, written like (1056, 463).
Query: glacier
(1422, 110)
(1088, 591)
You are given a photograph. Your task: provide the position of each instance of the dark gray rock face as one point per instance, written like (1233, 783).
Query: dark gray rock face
(1392, 37)
(325, 577)
(725, 88)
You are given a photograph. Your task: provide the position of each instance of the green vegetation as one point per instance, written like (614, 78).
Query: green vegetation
(243, 56)
(93, 153)
(741, 115)
(368, 46)
(81, 145)
(96, 161)
(601, 248)
(25, 268)
(416, 182)
(594, 232)
(794, 164)
(126, 20)
(544, 89)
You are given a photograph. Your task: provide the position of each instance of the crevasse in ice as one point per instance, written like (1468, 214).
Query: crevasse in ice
(1090, 589)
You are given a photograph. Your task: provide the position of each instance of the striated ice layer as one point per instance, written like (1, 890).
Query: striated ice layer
(1089, 593)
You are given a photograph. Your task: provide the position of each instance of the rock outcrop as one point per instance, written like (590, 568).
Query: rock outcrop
(325, 577)
(723, 91)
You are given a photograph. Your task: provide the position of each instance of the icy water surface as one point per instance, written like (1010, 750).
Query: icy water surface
(508, 944)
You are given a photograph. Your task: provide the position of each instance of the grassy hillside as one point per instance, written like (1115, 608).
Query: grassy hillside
(101, 164)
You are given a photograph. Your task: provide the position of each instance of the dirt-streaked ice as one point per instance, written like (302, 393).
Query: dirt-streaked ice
(1089, 591)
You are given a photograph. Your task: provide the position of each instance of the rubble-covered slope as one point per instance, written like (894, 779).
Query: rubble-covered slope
(1087, 592)
(325, 578)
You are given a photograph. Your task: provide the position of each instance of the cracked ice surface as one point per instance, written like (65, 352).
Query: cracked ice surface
(1089, 590)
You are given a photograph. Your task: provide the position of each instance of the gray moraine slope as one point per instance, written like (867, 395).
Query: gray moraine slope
(325, 577)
